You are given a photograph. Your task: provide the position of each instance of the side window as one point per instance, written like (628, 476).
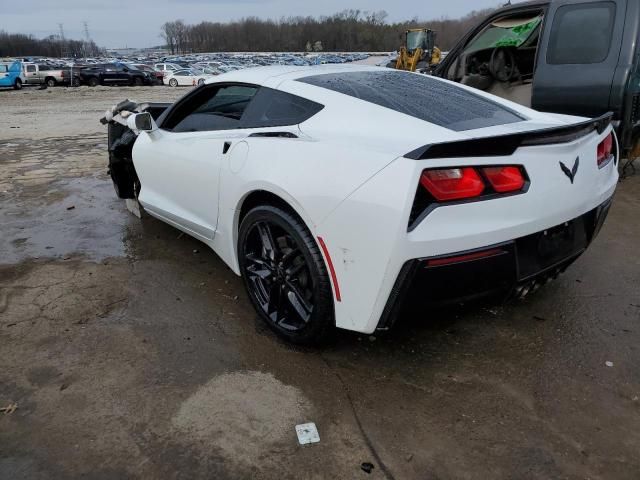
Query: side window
(211, 108)
(273, 108)
(581, 33)
(31, 68)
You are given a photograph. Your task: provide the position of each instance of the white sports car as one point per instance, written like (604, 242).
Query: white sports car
(185, 78)
(343, 193)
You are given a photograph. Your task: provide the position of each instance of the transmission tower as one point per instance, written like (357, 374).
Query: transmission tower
(87, 39)
(64, 48)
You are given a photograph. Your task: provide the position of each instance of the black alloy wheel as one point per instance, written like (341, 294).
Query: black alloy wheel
(285, 276)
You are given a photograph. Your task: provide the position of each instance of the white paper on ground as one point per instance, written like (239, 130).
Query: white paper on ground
(307, 433)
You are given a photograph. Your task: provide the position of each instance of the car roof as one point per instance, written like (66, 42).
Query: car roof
(517, 6)
(267, 75)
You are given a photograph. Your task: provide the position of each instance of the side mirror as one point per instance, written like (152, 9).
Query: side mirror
(142, 122)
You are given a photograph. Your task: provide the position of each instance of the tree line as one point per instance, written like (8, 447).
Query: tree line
(349, 30)
(19, 44)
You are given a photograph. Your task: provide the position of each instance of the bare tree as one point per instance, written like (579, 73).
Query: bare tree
(18, 44)
(349, 30)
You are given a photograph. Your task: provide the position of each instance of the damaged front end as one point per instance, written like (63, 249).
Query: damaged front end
(120, 144)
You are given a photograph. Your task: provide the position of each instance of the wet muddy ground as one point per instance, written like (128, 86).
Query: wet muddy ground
(131, 351)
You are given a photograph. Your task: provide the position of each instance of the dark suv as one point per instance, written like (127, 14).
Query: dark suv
(575, 57)
(114, 74)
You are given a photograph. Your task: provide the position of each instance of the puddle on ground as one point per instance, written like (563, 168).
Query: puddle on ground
(69, 217)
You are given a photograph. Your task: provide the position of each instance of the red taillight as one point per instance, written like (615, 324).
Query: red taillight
(605, 148)
(437, 262)
(505, 179)
(452, 183)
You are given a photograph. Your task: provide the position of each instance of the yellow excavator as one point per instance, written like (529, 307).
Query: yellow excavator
(419, 51)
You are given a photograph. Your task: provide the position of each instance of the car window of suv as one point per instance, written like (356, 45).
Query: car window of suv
(274, 108)
(211, 108)
(581, 33)
(31, 68)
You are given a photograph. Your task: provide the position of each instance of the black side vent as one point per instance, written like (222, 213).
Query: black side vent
(635, 109)
(273, 135)
(420, 204)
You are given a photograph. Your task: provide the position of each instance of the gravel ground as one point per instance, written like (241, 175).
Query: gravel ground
(131, 351)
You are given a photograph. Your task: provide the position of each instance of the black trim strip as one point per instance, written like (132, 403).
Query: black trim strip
(273, 135)
(505, 145)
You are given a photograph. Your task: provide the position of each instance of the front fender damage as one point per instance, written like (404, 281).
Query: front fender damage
(120, 144)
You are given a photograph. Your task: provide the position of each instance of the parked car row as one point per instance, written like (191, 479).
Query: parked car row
(188, 70)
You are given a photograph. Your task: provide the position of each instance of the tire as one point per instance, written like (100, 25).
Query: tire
(173, 82)
(51, 82)
(137, 81)
(18, 84)
(287, 283)
(94, 82)
(201, 81)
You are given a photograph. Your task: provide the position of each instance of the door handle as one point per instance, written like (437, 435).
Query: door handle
(226, 147)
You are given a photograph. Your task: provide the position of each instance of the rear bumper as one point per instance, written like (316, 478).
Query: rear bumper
(511, 268)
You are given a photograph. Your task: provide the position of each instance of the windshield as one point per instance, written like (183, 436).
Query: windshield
(505, 33)
(416, 40)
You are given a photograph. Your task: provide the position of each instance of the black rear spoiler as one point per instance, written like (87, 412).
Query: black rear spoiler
(505, 145)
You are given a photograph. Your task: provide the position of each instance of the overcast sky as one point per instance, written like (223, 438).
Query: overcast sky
(136, 23)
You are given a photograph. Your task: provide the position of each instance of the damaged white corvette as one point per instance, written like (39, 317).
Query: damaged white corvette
(341, 194)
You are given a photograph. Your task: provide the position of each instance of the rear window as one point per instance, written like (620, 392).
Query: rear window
(419, 96)
(581, 33)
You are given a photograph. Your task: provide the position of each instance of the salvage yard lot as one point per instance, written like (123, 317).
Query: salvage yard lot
(131, 350)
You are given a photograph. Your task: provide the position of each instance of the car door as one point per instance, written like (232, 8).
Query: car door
(180, 76)
(31, 74)
(110, 74)
(578, 55)
(4, 74)
(179, 164)
(122, 74)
